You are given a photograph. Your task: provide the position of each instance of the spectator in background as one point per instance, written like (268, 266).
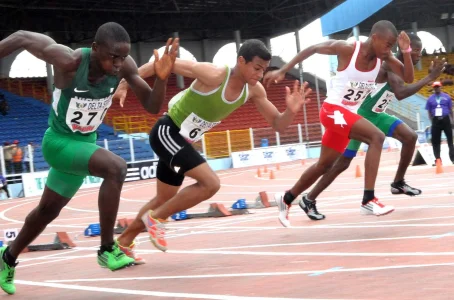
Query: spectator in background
(8, 156)
(4, 186)
(28, 154)
(17, 157)
(439, 108)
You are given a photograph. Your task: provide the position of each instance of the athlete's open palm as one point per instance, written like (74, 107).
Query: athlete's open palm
(403, 40)
(163, 66)
(297, 98)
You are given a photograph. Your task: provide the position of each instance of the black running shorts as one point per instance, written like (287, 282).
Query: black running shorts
(176, 155)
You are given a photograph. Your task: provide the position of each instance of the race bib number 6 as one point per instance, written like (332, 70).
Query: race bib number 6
(85, 115)
(193, 127)
(356, 92)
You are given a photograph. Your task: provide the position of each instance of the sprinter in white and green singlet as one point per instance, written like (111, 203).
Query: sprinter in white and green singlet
(214, 94)
(85, 81)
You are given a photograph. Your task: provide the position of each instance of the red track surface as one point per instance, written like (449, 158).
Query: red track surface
(405, 255)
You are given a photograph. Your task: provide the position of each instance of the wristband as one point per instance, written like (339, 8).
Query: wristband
(407, 51)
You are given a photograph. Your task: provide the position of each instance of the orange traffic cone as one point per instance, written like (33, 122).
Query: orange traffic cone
(259, 174)
(302, 162)
(438, 167)
(358, 171)
(278, 167)
(265, 170)
(272, 174)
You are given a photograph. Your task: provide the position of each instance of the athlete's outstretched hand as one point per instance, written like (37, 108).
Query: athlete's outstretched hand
(120, 96)
(273, 77)
(403, 40)
(297, 98)
(437, 67)
(163, 66)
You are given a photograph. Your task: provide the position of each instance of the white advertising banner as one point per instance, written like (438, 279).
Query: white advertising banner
(269, 155)
(34, 183)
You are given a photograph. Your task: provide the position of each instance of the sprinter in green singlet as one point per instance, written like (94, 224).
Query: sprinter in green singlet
(214, 94)
(373, 108)
(85, 81)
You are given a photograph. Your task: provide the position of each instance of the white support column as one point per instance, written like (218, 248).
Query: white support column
(229, 145)
(131, 148)
(251, 136)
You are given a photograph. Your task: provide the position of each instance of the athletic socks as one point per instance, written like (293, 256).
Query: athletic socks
(288, 198)
(368, 195)
(9, 258)
(107, 247)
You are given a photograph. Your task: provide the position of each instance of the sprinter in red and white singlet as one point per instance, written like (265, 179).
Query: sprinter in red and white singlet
(358, 66)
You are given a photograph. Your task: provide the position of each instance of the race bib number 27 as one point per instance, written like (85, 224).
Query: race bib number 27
(85, 115)
(193, 127)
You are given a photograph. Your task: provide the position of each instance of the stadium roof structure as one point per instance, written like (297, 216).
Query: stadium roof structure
(427, 14)
(72, 21)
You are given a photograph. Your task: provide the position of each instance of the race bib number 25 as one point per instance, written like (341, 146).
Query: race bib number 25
(356, 92)
(193, 127)
(85, 115)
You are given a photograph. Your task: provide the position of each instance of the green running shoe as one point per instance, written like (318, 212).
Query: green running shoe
(6, 274)
(114, 260)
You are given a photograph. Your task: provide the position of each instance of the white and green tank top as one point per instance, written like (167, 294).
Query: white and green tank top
(377, 101)
(80, 108)
(195, 112)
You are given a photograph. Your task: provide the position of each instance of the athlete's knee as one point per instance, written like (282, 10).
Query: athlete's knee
(342, 164)
(210, 185)
(47, 211)
(323, 166)
(117, 169)
(410, 138)
(377, 138)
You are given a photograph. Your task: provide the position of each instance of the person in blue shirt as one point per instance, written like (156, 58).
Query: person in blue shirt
(4, 186)
(439, 108)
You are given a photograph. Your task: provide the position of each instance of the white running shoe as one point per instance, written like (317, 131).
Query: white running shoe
(375, 207)
(283, 209)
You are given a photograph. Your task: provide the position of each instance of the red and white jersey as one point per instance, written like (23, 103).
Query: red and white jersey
(350, 86)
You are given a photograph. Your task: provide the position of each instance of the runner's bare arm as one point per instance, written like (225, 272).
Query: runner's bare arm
(207, 73)
(151, 99)
(294, 100)
(405, 70)
(43, 47)
(402, 91)
(329, 47)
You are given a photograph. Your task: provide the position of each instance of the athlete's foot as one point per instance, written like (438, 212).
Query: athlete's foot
(156, 230)
(375, 207)
(283, 209)
(401, 187)
(115, 259)
(310, 208)
(130, 251)
(6, 274)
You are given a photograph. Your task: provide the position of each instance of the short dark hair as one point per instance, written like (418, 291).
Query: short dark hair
(111, 32)
(384, 26)
(413, 37)
(252, 48)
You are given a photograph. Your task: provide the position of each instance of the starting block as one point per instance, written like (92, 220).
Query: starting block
(122, 224)
(93, 230)
(217, 210)
(61, 241)
(179, 216)
(262, 201)
(240, 204)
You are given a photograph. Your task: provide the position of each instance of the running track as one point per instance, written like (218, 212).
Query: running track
(405, 255)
